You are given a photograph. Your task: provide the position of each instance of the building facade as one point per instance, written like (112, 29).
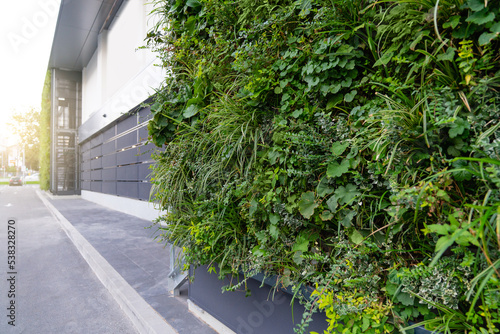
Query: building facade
(101, 82)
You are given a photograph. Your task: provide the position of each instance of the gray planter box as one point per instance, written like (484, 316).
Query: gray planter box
(263, 312)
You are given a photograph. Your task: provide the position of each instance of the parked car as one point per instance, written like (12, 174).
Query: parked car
(15, 181)
(32, 177)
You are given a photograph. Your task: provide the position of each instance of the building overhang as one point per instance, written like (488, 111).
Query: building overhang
(78, 26)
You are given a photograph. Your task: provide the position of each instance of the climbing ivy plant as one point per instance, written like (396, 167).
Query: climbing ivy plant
(348, 146)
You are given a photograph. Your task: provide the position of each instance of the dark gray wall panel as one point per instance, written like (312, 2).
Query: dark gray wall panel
(127, 173)
(109, 188)
(108, 147)
(85, 146)
(86, 155)
(143, 133)
(145, 115)
(128, 189)
(126, 124)
(117, 171)
(96, 175)
(96, 163)
(109, 160)
(109, 174)
(86, 176)
(96, 186)
(109, 133)
(85, 165)
(144, 190)
(144, 152)
(96, 141)
(126, 157)
(127, 140)
(96, 152)
(144, 171)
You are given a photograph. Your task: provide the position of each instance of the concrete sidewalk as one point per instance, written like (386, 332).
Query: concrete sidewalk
(121, 251)
(45, 284)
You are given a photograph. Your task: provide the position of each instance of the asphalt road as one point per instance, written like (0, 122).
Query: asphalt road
(45, 285)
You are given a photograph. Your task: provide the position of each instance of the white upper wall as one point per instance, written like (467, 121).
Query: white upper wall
(120, 76)
(91, 87)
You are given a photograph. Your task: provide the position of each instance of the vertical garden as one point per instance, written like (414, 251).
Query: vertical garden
(352, 147)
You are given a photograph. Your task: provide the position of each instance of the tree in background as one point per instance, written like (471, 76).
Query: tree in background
(26, 125)
(45, 135)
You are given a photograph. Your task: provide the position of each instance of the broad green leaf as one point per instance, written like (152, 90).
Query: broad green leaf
(452, 22)
(311, 80)
(335, 169)
(332, 102)
(406, 313)
(366, 324)
(448, 55)
(253, 206)
(458, 127)
(391, 288)
(273, 231)
(486, 37)
(258, 252)
(443, 242)
(462, 174)
(262, 237)
(297, 113)
(191, 111)
(405, 298)
(326, 215)
(439, 229)
(475, 5)
(274, 218)
(193, 101)
(453, 222)
(273, 156)
(356, 237)
(334, 89)
(332, 203)
(495, 27)
(155, 107)
(345, 49)
(307, 204)
(347, 82)
(350, 96)
(346, 194)
(466, 238)
(452, 150)
(301, 244)
(193, 3)
(347, 220)
(323, 188)
(297, 257)
(481, 17)
(423, 309)
(338, 148)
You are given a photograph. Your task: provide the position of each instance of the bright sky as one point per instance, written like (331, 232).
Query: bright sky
(26, 32)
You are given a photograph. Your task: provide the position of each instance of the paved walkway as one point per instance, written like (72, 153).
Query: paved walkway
(46, 283)
(124, 250)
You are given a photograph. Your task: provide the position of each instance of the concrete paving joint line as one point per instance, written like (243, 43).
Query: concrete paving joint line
(142, 315)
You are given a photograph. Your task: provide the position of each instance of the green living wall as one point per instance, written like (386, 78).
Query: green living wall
(45, 135)
(348, 146)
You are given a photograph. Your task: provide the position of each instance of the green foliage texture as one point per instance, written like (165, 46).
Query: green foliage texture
(45, 135)
(351, 148)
